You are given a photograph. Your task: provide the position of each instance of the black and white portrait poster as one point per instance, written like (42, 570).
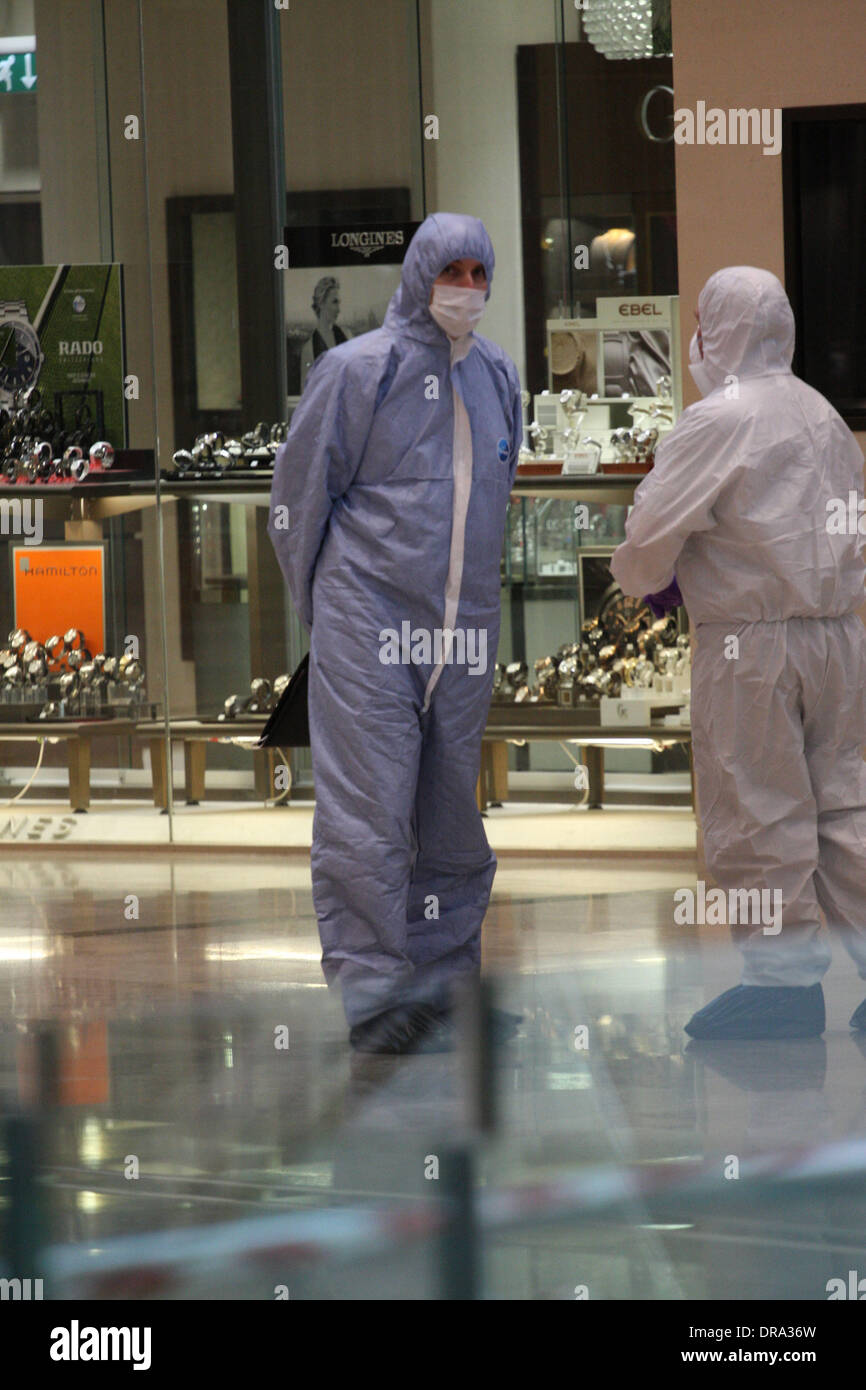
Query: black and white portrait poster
(337, 285)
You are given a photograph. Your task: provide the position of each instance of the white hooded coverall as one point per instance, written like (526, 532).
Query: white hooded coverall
(744, 504)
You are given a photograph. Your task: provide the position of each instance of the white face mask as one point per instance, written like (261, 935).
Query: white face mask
(456, 310)
(700, 375)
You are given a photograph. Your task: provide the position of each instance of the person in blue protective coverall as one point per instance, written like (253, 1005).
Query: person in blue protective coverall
(387, 516)
(745, 505)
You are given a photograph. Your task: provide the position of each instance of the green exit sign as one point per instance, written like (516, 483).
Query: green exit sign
(18, 64)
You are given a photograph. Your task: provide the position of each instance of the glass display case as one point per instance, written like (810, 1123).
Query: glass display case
(557, 594)
(560, 534)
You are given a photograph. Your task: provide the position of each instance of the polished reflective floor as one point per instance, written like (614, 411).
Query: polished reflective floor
(203, 1077)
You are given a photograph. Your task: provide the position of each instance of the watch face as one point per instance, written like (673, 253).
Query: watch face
(20, 356)
(623, 614)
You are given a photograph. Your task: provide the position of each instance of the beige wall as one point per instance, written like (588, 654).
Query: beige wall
(474, 166)
(350, 108)
(189, 143)
(71, 169)
(751, 53)
(19, 142)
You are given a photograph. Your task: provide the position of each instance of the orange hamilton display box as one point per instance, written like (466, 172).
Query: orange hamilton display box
(58, 587)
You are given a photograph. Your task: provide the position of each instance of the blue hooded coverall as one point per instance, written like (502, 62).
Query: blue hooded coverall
(396, 475)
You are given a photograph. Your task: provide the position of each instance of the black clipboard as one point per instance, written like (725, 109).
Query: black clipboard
(288, 725)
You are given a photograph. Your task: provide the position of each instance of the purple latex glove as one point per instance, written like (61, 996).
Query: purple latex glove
(665, 600)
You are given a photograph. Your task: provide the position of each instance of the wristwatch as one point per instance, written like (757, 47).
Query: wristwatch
(21, 356)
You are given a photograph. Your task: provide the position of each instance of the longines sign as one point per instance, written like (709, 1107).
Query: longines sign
(383, 243)
(367, 243)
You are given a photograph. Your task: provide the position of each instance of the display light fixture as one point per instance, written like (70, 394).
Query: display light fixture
(628, 28)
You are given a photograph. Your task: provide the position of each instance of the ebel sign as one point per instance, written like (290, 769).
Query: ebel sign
(634, 312)
(381, 242)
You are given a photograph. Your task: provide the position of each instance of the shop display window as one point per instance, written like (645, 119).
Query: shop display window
(174, 254)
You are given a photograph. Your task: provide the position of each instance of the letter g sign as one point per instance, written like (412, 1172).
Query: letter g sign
(644, 113)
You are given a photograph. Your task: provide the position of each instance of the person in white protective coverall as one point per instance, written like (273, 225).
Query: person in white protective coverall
(744, 507)
(395, 479)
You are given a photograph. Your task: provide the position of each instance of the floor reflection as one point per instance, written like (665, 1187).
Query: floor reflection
(203, 1076)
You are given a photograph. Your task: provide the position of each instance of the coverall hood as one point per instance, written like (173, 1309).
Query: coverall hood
(442, 237)
(747, 326)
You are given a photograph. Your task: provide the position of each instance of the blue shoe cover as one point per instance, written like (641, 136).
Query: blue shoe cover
(858, 1018)
(762, 1011)
(504, 1024)
(403, 1030)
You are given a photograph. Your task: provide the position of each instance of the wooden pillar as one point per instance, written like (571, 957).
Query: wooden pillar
(194, 761)
(159, 771)
(78, 753)
(595, 768)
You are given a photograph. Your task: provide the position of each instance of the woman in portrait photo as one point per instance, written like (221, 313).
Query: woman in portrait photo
(326, 334)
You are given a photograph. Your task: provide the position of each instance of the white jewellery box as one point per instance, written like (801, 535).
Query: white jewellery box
(633, 711)
(581, 461)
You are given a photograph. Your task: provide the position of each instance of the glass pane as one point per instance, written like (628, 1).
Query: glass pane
(536, 133)
(80, 582)
(228, 634)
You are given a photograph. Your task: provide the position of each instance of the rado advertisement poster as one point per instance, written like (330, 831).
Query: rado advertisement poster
(61, 329)
(337, 285)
